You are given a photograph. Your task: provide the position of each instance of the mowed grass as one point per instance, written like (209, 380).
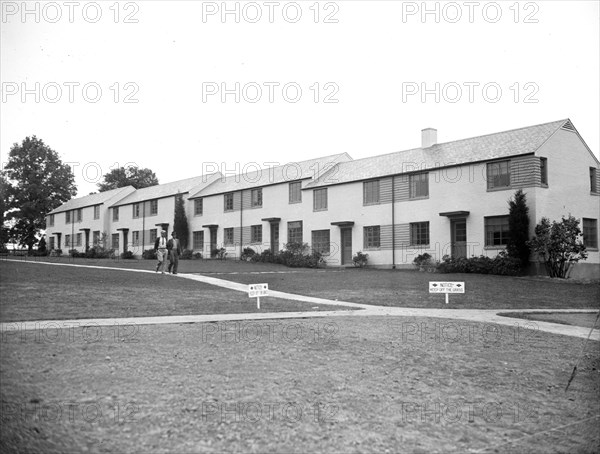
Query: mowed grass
(36, 291)
(398, 288)
(343, 385)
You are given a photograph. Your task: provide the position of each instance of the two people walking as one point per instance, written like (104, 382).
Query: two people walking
(170, 250)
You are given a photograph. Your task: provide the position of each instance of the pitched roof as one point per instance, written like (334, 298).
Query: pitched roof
(165, 190)
(94, 199)
(482, 148)
(292, 171)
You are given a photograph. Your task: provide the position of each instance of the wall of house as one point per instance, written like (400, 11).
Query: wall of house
(568, 191)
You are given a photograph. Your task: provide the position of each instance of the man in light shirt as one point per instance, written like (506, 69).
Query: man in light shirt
(160, 247)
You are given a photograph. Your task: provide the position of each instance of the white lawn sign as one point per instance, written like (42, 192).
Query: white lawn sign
(258, 290)
(446, 288)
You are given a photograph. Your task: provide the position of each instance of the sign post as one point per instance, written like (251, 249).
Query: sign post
(258, 290)
(447, 288)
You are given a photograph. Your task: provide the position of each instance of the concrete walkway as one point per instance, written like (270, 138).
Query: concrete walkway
(468, 315)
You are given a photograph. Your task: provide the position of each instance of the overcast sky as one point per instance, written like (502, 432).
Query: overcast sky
(491, 66)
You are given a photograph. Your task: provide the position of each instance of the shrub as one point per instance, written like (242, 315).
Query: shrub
(149, 254)
(502, 264)
(219, 253)
(360, 259)
(247, 254)
(197, 255)
(424, 262)
(127, 255)
(75, 253)
(186, 254)
(99, 252)
(55, 252)
(265, 256)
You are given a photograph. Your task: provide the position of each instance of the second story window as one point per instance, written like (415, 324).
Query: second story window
(96, 211)
(498, 175)
(593, 180)
(228, 202)
(544, 171)
(371, 192)
(320, 199)
(51, 220)
(115, 214)
(419, 185)
(136, 210)
(153, 207)
(79, 214)
(198, 207)
(67, 217)
(256, 197)
(296, 192)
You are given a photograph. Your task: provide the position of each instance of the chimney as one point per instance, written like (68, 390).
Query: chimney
(428, 137)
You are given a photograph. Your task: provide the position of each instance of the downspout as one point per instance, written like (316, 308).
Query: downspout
(72, 246)
(241, 223)
(393, 224)
(143, 225)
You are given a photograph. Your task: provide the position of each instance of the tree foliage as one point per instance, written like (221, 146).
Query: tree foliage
(558, 244)
(180, 223)
(38, 183)
(128, 176)
(4, 229)
(518, 224)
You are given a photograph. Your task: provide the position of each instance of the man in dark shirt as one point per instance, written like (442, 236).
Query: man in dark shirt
(174, 247)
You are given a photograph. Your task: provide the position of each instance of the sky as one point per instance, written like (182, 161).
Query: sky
(188, 87)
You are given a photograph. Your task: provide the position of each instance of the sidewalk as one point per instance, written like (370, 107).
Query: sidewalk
(470, 315)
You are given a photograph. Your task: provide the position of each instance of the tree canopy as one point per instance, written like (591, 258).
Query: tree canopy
(518, 225)
(128, 176)
(37, 181)
(180, 223)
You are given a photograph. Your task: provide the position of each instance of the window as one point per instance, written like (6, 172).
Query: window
(419, 233)
(153, 235)
(544, 171)
(320, 199)
(198, 207)
(228, 236)
(115, 241)
(256, 234)
(498, 174)
(371, 192)
(79, 215)
(135, 238)
(96, 237)
(67, 217)
(115, 214)
(593, 180)
(256, 197)
(372, 237)
(78, 239)
(295, 232)
(590, 233)
(320, 241)
(96, 211)
(136, 210)
(153, 207)
(51, 220)
(228, 202)
(67, 240)
(496, 231)
(419, 185)
(51, 242)
(198, 240)
(296, 192)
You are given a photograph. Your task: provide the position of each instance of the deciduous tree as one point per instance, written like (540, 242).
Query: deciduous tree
(128, 176)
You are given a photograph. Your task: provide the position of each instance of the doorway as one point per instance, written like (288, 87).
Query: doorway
(458, 235)
(346, 240)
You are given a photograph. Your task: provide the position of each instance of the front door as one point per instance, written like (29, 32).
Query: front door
(87, 240)
(274, 237)
(125, 239)
(458, 232)
(213, 242)
(346, 235)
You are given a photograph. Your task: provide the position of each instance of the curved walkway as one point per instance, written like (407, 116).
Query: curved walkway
(470, 315)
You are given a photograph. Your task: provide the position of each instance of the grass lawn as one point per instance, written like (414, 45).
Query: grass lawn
(338, 385)
(33, 291)
(577, 319)
(388, 287)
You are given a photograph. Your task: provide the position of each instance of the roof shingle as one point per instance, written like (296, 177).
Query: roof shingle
(94, 199)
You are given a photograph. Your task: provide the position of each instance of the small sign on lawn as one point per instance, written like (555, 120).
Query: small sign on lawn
(446, 288)
(258, 290)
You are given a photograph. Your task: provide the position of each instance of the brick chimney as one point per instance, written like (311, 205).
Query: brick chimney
(428, 137)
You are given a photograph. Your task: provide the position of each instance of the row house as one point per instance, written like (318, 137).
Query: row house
(440, 198)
